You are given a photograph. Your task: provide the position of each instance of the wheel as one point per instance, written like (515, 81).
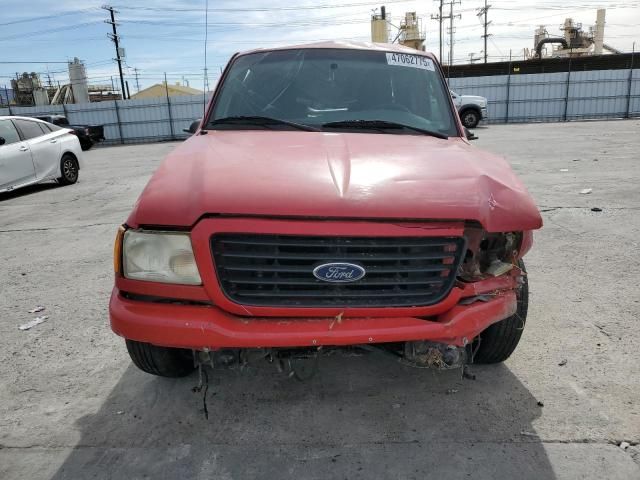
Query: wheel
(69, 168)
(161, 361)
(499, 341)
(86, 145)
(470, 118)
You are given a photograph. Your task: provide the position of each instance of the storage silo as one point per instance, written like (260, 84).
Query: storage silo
(78, 80)
(380, 27)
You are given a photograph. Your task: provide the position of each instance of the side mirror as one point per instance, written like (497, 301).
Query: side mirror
(469, 134)
(2, 141)
(193, 128)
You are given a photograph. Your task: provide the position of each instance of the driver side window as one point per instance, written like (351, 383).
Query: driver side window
(8, 132)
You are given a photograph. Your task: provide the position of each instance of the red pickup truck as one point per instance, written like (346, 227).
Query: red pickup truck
(328, 198)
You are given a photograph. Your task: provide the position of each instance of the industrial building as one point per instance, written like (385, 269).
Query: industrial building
(28, 89)
(163, 89)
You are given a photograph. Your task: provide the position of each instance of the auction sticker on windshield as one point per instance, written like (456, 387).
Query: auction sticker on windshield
(408, 60)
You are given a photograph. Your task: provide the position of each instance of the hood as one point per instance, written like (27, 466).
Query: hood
(334, 175)
(473, 99)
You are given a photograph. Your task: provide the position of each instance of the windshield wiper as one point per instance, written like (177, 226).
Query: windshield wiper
(259, 121)
(381, 125)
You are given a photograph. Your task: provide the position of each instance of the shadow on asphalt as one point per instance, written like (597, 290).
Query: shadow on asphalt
(20, 192)
(359, 417)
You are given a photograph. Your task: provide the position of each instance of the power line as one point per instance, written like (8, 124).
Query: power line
(24, 35)
(46, 17)
(291, 23)
(27, 61)
(259, 9)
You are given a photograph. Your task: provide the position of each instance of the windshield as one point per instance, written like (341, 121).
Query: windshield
(316, 87)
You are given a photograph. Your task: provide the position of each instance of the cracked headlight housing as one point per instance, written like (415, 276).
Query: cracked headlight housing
(165, 257)
(491, 254)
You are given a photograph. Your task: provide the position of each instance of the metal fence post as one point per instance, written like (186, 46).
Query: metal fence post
(633, 54)
(566, 95)
(64, 110)
(506, 116)
(166, 90)
(6, 94)
(115, 104)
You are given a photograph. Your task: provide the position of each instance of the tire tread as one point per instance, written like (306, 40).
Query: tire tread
(62, 180)
(161, 361)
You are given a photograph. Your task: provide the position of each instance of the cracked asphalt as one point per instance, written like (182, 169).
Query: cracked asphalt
(72, 406)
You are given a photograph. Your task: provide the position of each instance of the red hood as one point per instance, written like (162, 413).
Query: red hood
(355, 175)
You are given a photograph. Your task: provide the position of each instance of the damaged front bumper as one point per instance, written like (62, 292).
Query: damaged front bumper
(468, 310)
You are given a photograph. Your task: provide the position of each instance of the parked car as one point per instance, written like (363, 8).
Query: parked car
(33, 151)
(471, 108)
(328, 198)
(87, 134)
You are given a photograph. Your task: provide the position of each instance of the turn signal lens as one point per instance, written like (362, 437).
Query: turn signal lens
(117, 251)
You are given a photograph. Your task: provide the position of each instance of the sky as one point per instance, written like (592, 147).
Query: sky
(168, 36)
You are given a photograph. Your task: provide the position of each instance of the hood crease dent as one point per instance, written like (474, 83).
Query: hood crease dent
(334, 175)
(339, 163)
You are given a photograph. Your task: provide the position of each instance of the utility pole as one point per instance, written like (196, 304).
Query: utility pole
(451, 17)
(114, 37)
(483, 11)
(206, 79)
(439, 18)
(135, 70)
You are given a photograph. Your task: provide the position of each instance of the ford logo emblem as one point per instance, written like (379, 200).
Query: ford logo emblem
(339, 272)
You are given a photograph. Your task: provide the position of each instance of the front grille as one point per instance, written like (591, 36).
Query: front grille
(277, 270)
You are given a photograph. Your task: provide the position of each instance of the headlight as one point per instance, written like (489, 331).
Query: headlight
(165, 257)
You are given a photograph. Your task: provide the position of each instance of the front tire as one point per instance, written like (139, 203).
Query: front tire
(86, 145)
(498, 341)
(70, 169)
(161, 361)
(470, 118)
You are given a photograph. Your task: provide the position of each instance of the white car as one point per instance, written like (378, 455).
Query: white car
(33, 151)
(471, 108)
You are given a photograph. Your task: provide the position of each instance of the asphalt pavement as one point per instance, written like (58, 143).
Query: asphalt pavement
(72, 406)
